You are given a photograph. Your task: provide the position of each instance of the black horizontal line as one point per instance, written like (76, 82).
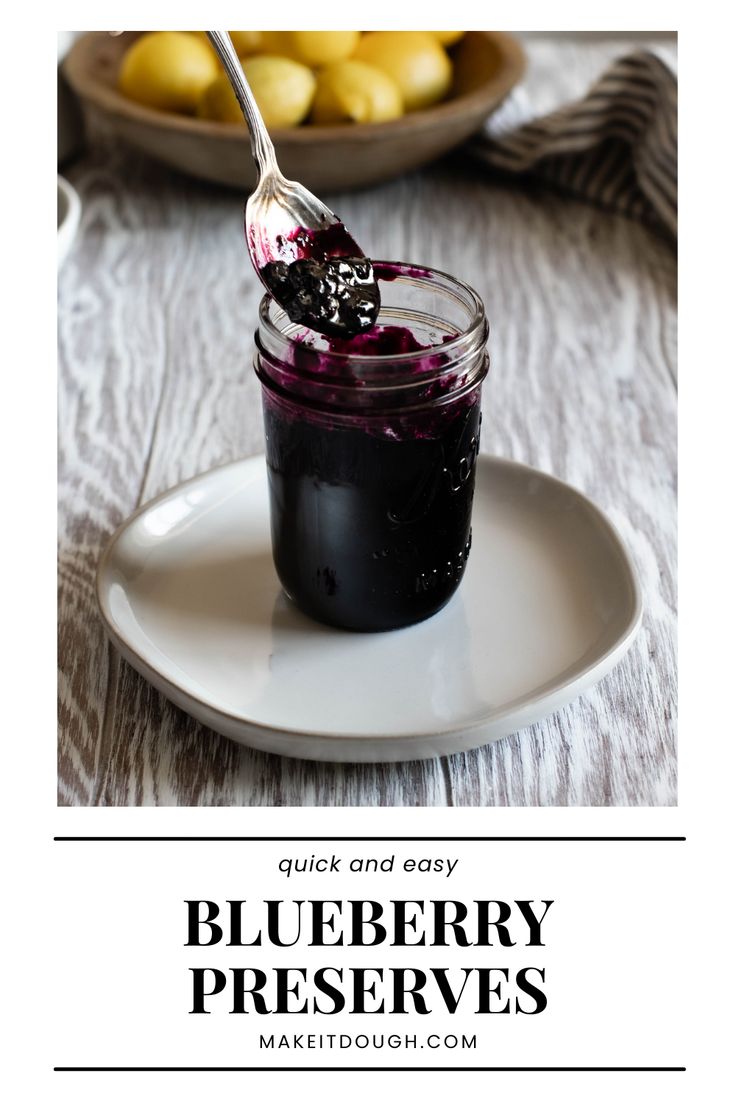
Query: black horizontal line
(370, 839)
(369, 1069)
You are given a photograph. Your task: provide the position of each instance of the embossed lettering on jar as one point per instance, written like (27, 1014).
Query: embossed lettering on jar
(371, 447)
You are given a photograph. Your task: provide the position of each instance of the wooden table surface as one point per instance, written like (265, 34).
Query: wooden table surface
(157, 303)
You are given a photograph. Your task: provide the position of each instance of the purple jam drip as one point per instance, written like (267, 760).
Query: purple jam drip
(391, 270)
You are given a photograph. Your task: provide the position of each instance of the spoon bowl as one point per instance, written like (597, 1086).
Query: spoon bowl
(286, 222)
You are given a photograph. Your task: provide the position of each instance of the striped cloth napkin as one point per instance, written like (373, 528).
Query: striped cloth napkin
(617, 147)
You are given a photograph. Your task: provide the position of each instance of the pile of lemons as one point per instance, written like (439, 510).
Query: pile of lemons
(319, 77)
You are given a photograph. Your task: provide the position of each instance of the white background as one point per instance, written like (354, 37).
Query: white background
(639, 958)
(612, 955)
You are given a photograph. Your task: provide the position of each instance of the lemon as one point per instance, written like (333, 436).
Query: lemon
(218, 102)
(354, 92)
(414, 59)
(246, 42)
(277, 43)
(447, 38)
(168, 70)
(322, 47)
(283, 90)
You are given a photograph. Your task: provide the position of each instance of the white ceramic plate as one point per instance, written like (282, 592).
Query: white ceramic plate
(68, 213)
(548, 605)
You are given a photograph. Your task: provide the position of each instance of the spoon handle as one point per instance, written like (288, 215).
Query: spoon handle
(261, 145)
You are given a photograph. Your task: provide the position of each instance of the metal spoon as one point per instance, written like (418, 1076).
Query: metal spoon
(284, 223)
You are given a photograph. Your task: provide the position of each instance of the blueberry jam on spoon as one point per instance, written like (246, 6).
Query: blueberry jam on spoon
(338, 298)
(328, 286)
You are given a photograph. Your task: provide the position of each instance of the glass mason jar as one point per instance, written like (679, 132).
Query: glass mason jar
(371, 448)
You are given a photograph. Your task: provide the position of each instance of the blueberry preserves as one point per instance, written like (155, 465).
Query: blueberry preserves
(323, 281)
(336, 296)
(371, 446)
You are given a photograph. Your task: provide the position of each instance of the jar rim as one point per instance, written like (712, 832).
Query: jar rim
(411, 274)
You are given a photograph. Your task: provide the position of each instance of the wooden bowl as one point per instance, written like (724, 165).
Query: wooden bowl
(487, 64)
